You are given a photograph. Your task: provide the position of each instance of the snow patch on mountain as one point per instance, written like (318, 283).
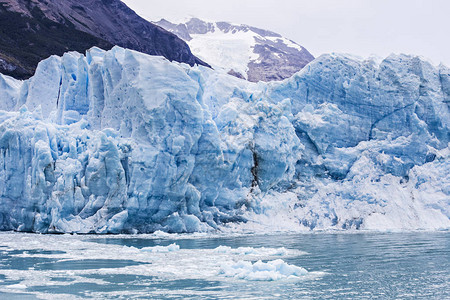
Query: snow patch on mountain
(225, 51)
(241, 50)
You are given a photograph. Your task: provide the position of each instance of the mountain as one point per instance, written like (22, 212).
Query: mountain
(243, 51)
(31, 30)
(120, 141)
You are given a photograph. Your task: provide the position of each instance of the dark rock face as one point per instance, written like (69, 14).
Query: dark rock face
(32, 30)
(277, 60)
(278, 57)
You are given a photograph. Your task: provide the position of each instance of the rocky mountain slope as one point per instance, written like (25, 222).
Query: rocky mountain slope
(31, 30)
(243, 51)
(345, 143)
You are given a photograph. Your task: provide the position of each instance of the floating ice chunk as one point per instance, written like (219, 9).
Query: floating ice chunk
(18, 286)
(252, 251)
(161, 234)
(260, 271)
(162, 249)
(223, 249)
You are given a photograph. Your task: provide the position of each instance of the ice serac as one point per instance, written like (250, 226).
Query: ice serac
(120, 141)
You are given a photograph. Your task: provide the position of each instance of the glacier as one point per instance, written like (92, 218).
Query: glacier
(122, 142)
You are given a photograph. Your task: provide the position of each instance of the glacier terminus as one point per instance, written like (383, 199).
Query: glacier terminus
(122, 142)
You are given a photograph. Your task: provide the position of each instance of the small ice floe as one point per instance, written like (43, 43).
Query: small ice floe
(262, 251)
(260, 271)
(161, 234)
(18, 286)
(162, 249)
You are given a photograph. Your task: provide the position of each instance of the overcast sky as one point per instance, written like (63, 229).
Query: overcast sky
(361, 27)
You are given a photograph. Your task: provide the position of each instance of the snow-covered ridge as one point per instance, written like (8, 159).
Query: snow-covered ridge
(120, 141)
(241, 50)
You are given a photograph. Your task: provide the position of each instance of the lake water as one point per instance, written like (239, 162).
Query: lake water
(338, 266)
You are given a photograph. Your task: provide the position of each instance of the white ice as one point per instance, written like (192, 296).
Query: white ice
(260, 271)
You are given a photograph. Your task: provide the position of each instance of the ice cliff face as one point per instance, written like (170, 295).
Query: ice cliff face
(119, 141)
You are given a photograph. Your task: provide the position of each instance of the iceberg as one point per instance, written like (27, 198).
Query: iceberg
(122, 142)
(260, 271)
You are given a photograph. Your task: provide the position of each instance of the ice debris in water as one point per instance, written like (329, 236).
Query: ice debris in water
(161, 234)
(252, 251)
(162, 249)
(261, 271)
(119, 141)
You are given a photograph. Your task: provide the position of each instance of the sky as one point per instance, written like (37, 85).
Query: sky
(360, 27)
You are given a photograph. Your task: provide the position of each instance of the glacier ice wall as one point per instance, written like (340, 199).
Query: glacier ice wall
(119, 141)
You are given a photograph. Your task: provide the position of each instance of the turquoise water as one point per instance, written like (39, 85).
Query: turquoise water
(340, 266)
